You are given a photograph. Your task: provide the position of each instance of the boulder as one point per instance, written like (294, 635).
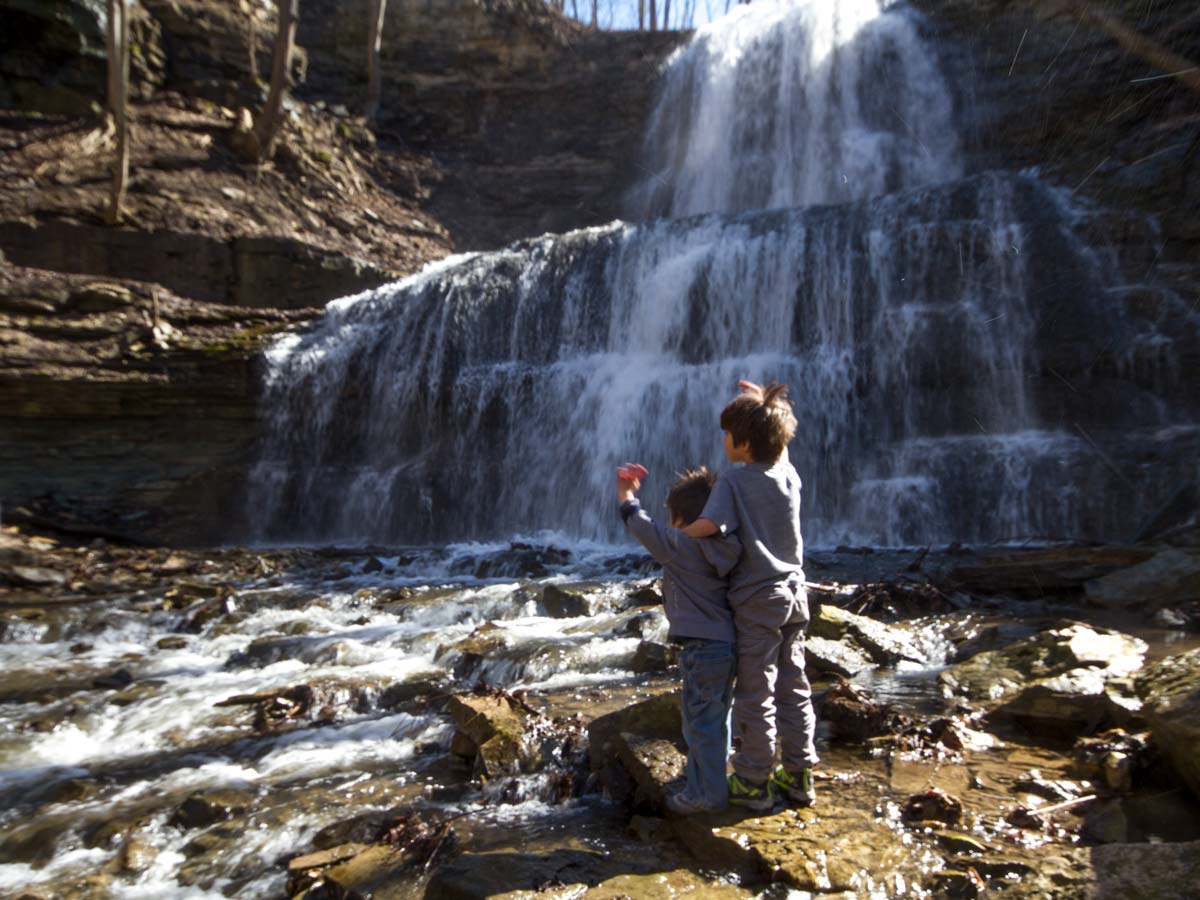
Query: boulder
(651, 656)
(653, 765)
(205, 808)
(1171, 691)
(474, 650)
(1070, 680)
(885, 644)
(1169, 578)
(498, 726)
(568, 601)
(656, 718)
(823, 656)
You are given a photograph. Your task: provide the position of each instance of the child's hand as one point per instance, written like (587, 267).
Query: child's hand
(749, 387)
(629, 479)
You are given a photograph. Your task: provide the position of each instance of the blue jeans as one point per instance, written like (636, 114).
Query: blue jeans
(708, 670)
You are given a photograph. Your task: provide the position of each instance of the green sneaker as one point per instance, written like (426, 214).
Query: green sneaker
(797, 788)
(759, 797)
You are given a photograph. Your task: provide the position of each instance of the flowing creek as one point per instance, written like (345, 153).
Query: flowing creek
(112, 718)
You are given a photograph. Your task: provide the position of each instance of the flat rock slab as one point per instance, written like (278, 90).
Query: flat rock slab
(884, 644)
(829, 848)
(1042, 572)
(1068, 679)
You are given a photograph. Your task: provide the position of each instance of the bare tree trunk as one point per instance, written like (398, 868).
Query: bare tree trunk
(654, 15)
(252, 36)
(266, 130)
(574, 9)
(118, 101)
(641, 15)
(595, 13)
(374, 77)
(1170, 63)
(666, 15)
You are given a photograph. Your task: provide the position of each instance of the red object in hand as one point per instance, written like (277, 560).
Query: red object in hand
(632, 472)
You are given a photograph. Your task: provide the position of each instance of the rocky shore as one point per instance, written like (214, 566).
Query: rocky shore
(328, 722)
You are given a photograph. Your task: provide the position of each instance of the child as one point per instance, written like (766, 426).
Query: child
(695, 581)
(760, 503)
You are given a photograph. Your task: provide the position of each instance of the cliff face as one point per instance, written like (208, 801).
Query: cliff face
(534, 120)
(1043, 86)
(500, 120)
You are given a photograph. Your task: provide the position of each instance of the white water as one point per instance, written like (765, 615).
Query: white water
(786, 104)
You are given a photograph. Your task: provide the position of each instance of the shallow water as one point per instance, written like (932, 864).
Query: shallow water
(88, 772)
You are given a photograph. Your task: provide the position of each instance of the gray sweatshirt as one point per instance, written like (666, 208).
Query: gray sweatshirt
(760, 503)
(695, 575)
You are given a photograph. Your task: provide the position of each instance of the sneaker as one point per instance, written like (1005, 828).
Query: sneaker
(797, 788)
(758, 797)
(681, 804)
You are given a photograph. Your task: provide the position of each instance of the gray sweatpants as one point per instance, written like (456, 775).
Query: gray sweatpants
(772, 687)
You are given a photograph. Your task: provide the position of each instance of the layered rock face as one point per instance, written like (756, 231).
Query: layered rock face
(536, 121)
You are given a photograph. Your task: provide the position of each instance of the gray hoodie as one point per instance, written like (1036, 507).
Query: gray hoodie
(695, 575)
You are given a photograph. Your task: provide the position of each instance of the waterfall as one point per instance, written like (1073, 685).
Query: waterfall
(785, 104)
(916, 316)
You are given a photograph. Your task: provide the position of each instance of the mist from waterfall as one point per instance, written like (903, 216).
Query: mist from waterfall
(788, 104)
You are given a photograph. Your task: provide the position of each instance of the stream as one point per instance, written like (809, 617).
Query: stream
(112, 714)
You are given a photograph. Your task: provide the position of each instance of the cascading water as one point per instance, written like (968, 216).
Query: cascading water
(784, 104)
(492, 394)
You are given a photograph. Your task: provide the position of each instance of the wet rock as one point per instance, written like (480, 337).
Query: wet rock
(304, 872)
(1066, 680)
(35, 576)
(653, 766)
(481, 875)
(1112, 758)
(854, 715)
(649, 594)
(497, 724)
(172, 642)
(206, 808)
(656, 718)
(957, 884)
(207, 613)
(1171, 690)
(372, 565)
(319, 702)
(1169, 578)
(568, 601)
(827, 657)
(649, 624)
(136, 856)
(654, 657)
(117, 680)
(885, 644)
(933, 806)
(474, 650)
(267, 651)
(665, 886)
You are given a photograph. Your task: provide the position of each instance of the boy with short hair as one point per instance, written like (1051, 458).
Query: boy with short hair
(760, 503)
(695, 583)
